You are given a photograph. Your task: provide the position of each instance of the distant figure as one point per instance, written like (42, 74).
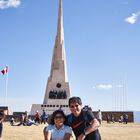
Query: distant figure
(30, 122)
(37, 117)
(108, 118)
(3, 114)
(99, 116)
(125, 118)
(112, 118)
(22, 119)
(121, 119)
(26, 117)
(12, 121)
(44, 117)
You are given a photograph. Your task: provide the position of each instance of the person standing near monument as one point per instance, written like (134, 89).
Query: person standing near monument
(125, 118)
(37, 117)
(2, 117)
(44, 117)
(25, 117)
(99, 116)
(83, 123)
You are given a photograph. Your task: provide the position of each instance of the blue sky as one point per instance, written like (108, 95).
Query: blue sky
(102, 48)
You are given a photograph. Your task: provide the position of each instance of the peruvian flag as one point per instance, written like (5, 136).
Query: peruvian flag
(5, 70)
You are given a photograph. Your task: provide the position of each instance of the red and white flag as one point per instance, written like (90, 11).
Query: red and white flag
(5, 70)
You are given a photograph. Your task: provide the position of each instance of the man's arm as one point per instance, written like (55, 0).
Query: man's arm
(93, 126)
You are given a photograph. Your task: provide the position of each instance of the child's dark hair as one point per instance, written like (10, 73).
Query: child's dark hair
(75, 100)
(59, 111)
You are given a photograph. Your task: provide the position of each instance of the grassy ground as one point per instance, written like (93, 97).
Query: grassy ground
(108, 132)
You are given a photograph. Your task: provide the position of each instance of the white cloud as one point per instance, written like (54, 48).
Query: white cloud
(9, 3)
(119, 86)
(103, 86)
(107, 86)
(132, 19)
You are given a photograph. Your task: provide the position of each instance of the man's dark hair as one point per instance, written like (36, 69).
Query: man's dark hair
(75, 100)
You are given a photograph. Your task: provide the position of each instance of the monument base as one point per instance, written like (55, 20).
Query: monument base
(49, 109)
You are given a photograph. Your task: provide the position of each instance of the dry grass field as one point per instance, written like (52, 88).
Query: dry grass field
(108, 132)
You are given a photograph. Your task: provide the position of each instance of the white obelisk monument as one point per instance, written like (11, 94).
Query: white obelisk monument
(57, 91)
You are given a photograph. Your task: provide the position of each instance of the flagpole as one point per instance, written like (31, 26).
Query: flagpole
(6, 91)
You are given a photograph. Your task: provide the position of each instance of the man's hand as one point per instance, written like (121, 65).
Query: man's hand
(81, 137)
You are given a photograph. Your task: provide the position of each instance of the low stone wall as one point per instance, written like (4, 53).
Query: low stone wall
(116, 115)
